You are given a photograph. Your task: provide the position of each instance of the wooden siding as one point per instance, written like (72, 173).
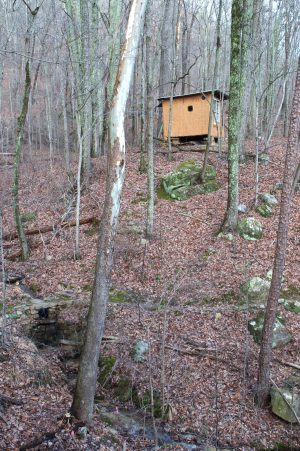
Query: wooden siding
(189, 123)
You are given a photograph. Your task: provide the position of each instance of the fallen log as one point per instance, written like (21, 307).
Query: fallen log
(49, 228)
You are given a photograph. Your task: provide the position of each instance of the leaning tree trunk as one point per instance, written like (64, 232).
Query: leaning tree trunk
(83, 402)
(265, 355)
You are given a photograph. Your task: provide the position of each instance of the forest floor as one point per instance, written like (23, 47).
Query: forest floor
(190, 311)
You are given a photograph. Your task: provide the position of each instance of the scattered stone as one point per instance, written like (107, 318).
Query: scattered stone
(226, 236)
(242, 208)
(250, 228)
(82, 431)
(265, 210)
(263, 158)
(140, 350)
(268, 198)
(292, 305)
(278, 186)
(266, 203)
(285, 399)
(281, 336)
(256, 289)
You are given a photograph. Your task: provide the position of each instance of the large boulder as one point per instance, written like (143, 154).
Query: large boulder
(256, 289)
(183, 182)
(285, 399)
(281, 336)
(250, 228)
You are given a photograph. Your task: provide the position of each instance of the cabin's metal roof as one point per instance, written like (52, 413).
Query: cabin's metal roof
(219, 94)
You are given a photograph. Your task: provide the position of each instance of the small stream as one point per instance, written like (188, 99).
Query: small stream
(45, 330)
(134, 424)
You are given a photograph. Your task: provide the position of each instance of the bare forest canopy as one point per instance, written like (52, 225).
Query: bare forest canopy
(74, 53)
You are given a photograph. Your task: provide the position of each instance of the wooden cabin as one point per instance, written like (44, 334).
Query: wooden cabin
(190, 115)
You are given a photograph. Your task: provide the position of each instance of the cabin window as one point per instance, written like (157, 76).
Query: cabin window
(216, 110)
(190, 108)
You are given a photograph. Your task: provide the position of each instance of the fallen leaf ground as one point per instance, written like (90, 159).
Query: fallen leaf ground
(189, 281)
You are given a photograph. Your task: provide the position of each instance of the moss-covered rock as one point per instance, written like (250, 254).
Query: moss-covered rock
(29, 216)
(118, 296)
(263, 158)
(268, 199)
(266, 203)
(290, 292)
(183, 182)
(281, 336)
(145, 402)
(256, 289)
(292, 305)
(106, 364)
(285, 397)
(125, 391)
(140, 351)
(265, 210)
(250, 228)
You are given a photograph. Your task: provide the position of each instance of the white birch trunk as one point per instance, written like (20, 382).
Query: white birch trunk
(83, 402)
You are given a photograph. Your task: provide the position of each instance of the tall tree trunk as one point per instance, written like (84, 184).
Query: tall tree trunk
(83, 402)
(16, 172)
(214, 86)
(175, 44)
(151, 57)
(287, 45)
(165, 57)
(238, 14)
(115, 8)
(142, 164)
(265, 355)
(64, 103)
(2, 281)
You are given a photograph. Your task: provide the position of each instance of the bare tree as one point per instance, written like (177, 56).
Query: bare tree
(214, 86)
(290, 173)
(83, 402)
(20, 136)
(239, 13)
